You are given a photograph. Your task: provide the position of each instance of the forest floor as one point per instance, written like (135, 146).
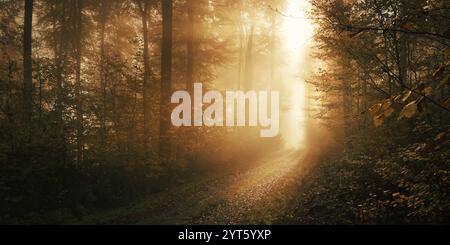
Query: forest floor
(390, 185)
(258, 194)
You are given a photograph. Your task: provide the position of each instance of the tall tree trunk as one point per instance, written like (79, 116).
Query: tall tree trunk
(249, 62)
(386, 61)
(103, 20)
(403, 59)
(365, 102)
(272, 50)
(59, 57)
(241, 48)
(166, 77)
(144, 7)
(347, 101)
(402, 50)
(78, 89)
(27, 63)
(41, 84)
(190, 47)
(241, 57)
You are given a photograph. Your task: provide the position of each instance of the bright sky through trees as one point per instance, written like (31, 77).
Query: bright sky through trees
(297, 34)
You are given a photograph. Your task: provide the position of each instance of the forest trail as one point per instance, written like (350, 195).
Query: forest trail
(257, 195)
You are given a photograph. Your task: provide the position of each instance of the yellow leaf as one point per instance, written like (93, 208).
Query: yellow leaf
(446, 102)
(439, 72)
(406, 96)
(386, 104)
(447, 52)
(428, 90)
(398, 98)
(440, 137)
(375, 108)
(387, 113)
(408, 111)
(378, 120)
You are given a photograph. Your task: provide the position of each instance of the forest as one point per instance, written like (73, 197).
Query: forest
(86, 105)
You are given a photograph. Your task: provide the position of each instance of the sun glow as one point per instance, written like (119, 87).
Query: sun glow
(297, 28)
(297, 35)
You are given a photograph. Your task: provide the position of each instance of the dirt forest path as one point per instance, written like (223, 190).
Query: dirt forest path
(258, 195)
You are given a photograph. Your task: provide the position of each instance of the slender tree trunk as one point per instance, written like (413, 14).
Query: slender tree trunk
(103, 20)
(41, 84)
(166, 77)
(386, 61)
(147, 70)
(241, 47)
(249, 62)
(272, 51)
(241, 57)
(27, 63)
(358, 102)
(190, 47)
(402, 51)
(59, 59)
(365, 102)
(78, 89)
(402, 59)
(347, 102)
(60, 56)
